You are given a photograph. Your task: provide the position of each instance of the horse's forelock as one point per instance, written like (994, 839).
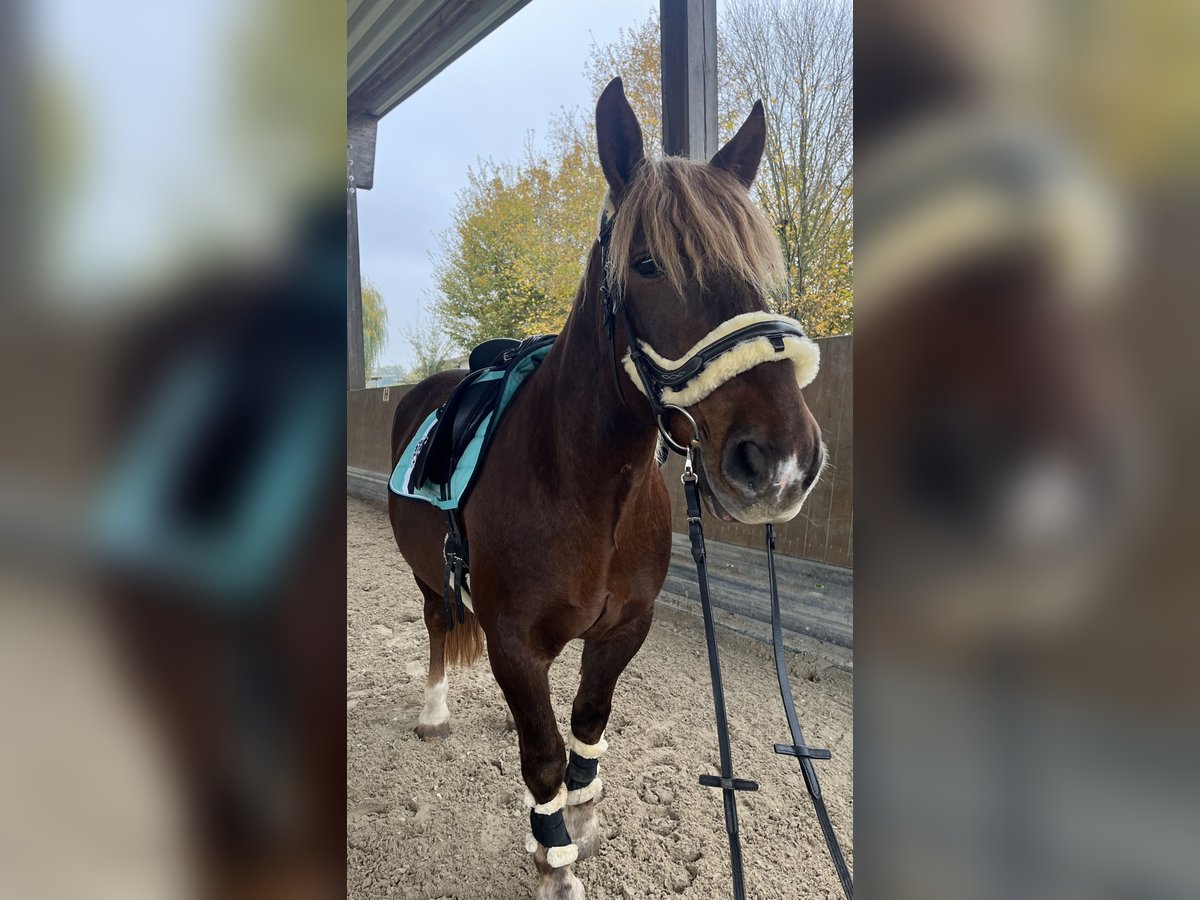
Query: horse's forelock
(696, 221)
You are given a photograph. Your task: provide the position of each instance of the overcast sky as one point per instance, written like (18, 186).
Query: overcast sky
(482, 105)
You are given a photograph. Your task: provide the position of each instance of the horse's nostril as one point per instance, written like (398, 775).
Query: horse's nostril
(747, 464)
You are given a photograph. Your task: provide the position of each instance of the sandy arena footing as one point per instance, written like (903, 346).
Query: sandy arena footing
(445, 820)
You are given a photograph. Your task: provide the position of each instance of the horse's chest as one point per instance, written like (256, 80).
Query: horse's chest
(607, 539)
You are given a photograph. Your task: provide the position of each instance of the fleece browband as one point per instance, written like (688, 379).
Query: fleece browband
(733, 347)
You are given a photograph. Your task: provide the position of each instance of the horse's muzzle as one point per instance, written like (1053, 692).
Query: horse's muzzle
(759, 483)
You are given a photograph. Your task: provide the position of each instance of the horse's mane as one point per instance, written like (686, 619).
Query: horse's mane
(696, 220)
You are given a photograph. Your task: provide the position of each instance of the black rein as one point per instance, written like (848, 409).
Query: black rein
(798, 748)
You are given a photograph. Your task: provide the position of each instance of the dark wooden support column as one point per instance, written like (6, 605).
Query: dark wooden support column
(356, 375)
(360, 139)
(360, 157)
(689, 77)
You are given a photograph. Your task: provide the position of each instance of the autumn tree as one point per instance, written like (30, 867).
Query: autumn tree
(635, 57)
(374, 323)
(432, 350)
(511, 261)
(797, 56)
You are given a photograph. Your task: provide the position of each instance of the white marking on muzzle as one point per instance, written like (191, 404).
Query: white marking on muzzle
(788, 473)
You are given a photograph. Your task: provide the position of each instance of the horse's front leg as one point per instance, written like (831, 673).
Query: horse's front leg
(603, 662)
(524, 678)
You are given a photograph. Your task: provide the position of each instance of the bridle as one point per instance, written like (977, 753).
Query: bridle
(662, 381)
(671, 385)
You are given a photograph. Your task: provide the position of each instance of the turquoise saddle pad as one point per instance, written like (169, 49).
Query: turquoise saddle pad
(468, 464)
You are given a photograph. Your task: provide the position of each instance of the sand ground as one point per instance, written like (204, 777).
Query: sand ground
(445, 819)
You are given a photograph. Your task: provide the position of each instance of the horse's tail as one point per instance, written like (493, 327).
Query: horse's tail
(464, 645)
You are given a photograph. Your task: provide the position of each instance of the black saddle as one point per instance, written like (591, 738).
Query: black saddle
(457, 423)
(464, 411)
(488, 353)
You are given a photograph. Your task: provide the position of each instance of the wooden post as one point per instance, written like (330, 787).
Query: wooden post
(356, 376)
(689, 77)
(360, 138)
(360, 175)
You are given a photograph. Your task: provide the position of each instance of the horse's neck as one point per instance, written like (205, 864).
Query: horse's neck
(592, 422)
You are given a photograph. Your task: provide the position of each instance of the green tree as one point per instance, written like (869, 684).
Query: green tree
(797, 56)
(432, 349)
(374, 324)
(511, 260)
(510, 263)
(636, 58)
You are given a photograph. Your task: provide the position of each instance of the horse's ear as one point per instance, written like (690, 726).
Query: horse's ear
(618, 138)
(744, 151)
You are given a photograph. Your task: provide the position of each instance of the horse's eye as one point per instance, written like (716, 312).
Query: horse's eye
(647, 267)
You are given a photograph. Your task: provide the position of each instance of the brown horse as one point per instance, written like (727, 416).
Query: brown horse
(569, 519)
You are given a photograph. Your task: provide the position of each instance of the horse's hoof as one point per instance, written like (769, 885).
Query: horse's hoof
(584, 827)
(433, 732)
(561, 884)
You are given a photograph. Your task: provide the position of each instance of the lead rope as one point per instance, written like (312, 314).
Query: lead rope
(798, 748)
(725, 781)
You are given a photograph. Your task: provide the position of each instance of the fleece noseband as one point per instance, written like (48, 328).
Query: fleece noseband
(733, 347)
